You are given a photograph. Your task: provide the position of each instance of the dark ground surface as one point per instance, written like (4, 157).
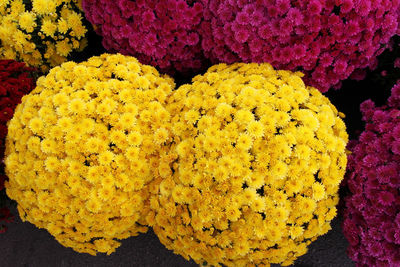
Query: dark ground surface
(25, 245)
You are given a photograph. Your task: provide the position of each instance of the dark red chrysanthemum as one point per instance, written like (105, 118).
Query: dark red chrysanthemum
(16, 80)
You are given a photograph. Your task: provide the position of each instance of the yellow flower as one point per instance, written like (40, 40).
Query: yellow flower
(132, 153)
(65, 123)
(223, 110)
(244, 117)
(160, 136)
(63, 48)
(117, 137)
(103, 109)
(318, 191)
(51, 164)
(92, 144)
(44, 6)
(249, 195)
(127, 209)
(60, 99)
(131, 108)
(106, 157)
(279, 169)
(244, 141)
(233, 213)
(48, 146)
(48, 28)
(296, 231)
(255, 129)
(62, 26)
(280, 214)
(192, 116)
(258, 204)
(106, 193)
(134, 138)
(127, 120)
(306, 205)
(27, 21)
(77, 106)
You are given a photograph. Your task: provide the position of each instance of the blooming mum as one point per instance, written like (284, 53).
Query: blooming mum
(42, 33)
(260, 157)
(161, 33)
(82, 171)
(372, 213)
(327, 40)
(16, 80)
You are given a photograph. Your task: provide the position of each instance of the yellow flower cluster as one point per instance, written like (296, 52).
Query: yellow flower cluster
(260, 160)
(41, 33)
(81, 148)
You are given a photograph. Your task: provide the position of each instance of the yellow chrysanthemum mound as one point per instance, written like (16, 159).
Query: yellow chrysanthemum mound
(81, 148)
(41, 33)
(260, 160)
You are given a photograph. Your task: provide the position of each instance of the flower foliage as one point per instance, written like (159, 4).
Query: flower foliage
(372, 215)
(260, 157)
(16, 80)
(328, 40)
(80, 150)
(161, 33)
(41, 33)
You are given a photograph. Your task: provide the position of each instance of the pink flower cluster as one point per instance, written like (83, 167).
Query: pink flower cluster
(372, 214)
(162, 33)
(329, 40)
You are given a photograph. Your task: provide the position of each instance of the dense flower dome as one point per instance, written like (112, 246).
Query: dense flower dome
(328, 40)
(81, 148)
(161, 33)
(16, 80)
(42, 33)
(259, 159)
(372, 215)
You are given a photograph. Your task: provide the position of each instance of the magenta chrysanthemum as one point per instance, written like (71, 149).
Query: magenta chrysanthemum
(372, 213)
(163, 33)
(329, 40)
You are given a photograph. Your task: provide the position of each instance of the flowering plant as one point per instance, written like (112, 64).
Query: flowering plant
(41, 33)
(81, 146)
(372, 214)
(16, 80)
(161, 33)
(260, 157)
(328, 40)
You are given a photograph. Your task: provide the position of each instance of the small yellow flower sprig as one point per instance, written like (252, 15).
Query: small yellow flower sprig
(81, 149)
(260, 160)
(41, 33)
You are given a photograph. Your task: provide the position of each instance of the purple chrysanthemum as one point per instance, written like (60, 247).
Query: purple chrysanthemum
(372, 213)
